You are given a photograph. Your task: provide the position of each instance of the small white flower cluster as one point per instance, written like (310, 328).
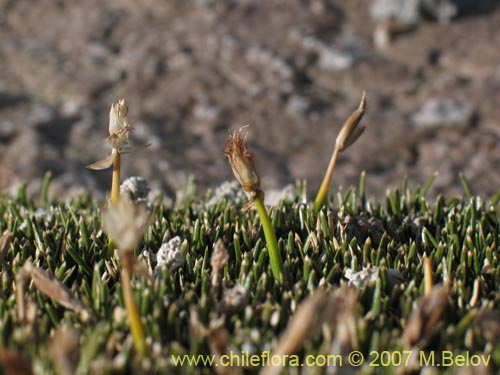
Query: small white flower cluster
(228, 191)
(170, 256)
(361, 278)
(369, 275)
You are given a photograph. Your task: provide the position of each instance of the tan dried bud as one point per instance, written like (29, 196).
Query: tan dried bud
(350, 132)
(218, 261)
(242, 162)
(124, 222)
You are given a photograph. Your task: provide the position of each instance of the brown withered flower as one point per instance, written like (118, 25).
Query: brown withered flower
(242, 162)
(350, 132)
(119, 129)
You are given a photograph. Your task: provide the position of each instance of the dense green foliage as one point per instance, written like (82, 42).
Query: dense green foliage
(460, 236)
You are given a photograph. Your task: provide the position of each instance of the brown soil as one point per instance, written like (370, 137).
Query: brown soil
(294, 70)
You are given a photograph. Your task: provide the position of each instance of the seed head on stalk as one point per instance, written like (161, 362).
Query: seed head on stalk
(349, 134)
(119, 129)
(242, 161)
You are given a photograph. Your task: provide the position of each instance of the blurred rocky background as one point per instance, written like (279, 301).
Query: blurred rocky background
(294, 70)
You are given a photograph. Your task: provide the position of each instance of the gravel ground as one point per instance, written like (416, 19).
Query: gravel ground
(292, 69)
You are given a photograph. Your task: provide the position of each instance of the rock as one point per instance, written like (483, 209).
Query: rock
(335, 59)
(7, 130)
(442, 112)
(297, 105)
(40, 115)
(407, 11)
(412, 11)
(441, 10)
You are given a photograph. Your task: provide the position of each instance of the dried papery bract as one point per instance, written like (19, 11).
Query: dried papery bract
(349, 134)
(242, 161)
(49, 286)
(125, 223)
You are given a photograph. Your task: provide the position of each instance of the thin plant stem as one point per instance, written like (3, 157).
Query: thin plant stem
(115, 195)
(115, 182)
(272, 243)
(132, 312)
(325, 185)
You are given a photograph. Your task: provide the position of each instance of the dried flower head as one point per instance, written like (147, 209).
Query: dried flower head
(242, 162)
(350, 132)
(124, 222)
(119, 129)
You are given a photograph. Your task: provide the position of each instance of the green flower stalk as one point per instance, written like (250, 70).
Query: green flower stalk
(125, 222)
(349, 134)
(242, 162)
(119, 129)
